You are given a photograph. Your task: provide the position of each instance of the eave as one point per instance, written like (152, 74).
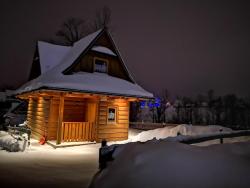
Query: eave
(56, 92)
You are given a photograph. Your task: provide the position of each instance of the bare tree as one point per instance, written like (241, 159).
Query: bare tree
(72, 30)
(160, 110)
(102, 18)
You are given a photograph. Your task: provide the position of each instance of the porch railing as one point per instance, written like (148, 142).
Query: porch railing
(78, 131)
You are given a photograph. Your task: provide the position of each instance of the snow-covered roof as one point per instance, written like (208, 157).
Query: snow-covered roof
(104, 50)
(50, 55)
(76, 50)
(82, 82)
(87, 82)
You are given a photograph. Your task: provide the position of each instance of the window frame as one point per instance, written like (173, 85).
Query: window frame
(101, 59)
(116, 113)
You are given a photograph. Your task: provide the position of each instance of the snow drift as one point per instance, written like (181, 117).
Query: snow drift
(155, 158)
(171, 164)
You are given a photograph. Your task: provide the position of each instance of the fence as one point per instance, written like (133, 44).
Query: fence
(78, 131)
(149, 126)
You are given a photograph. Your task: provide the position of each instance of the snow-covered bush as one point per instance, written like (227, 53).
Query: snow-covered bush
(11, 143)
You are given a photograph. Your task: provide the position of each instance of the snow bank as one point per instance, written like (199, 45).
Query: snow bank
(171, 164)
(9, 143)
(163, 133)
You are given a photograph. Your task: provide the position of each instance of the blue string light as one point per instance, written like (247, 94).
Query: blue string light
(142, 104)
(156, 103)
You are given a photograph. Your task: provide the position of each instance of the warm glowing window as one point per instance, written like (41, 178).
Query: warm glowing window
(111, 115)
(100, 65)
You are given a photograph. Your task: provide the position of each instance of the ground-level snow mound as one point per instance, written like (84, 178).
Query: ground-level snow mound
(180, 129)
(164, 164)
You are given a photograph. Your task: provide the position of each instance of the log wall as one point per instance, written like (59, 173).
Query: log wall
(115, 66)
(117, 130)
(37, 116)
(53, 119)
(74, 110)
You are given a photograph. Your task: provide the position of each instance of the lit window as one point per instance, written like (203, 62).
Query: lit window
(111, 115)
(101, 65)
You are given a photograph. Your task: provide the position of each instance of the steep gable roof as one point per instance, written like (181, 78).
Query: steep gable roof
(83, 45)
(55, 77)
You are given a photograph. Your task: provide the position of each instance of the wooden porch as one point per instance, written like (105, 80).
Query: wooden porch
(76, 120)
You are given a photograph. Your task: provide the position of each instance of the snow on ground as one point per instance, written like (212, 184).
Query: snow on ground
(164, 164)
(43, 166)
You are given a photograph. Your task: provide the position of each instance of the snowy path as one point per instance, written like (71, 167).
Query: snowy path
(43, 166)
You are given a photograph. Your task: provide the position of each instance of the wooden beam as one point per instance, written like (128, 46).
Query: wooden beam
(79, 95)
(60, 119)
(133, 99)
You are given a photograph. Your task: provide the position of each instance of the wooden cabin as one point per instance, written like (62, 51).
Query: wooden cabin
(80, 93)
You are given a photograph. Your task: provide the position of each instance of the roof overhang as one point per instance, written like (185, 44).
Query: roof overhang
(49, 91)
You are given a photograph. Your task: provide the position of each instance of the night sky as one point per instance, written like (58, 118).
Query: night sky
(185, 46)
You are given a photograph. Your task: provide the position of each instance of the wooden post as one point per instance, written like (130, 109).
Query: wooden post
(60, 119)
(221, 139)
(102, 157)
